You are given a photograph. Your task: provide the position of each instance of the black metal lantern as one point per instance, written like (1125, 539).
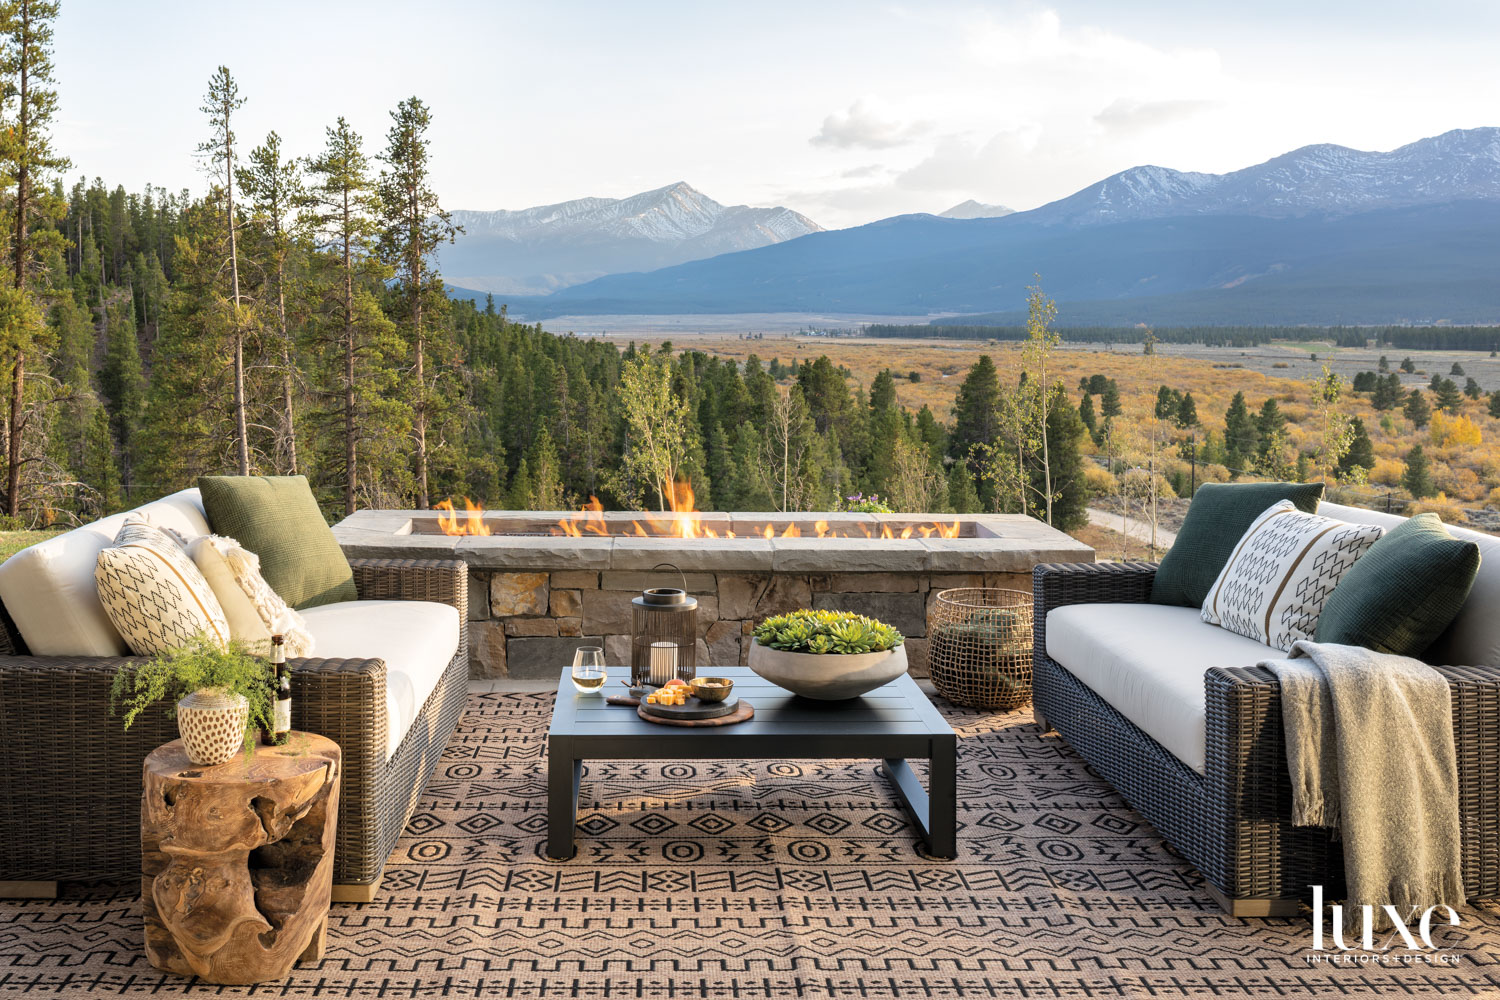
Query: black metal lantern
(663, 636)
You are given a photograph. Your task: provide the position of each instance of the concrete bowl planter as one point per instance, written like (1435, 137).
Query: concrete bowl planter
(827, 676)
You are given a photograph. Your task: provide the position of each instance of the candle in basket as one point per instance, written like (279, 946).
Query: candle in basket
(663, 662)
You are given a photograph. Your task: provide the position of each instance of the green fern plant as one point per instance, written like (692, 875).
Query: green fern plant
(826, 632)
(201, 665)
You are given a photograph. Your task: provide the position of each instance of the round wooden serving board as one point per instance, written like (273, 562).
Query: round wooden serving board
(743, 712)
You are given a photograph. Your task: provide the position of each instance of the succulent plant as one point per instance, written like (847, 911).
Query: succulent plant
(824, 632)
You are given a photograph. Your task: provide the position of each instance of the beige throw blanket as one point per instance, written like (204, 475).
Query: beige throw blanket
(1369, 742)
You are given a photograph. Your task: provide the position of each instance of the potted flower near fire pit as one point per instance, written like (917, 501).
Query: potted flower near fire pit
(220, 697)
(827, 655)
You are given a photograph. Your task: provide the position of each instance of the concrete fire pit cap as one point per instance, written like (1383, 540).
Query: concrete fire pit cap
(998, 543)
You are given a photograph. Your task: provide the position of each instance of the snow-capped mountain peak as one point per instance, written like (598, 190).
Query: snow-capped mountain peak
(972, 209)
(548, 247)
(1322, 178)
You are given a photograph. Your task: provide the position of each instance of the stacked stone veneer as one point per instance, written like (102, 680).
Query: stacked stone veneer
(533, 600)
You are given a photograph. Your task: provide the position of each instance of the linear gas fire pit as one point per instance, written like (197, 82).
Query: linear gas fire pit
(542, 583)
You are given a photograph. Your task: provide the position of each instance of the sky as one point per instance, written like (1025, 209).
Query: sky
(845, 111)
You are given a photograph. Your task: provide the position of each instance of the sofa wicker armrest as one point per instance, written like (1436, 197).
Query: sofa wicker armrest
(1251, 789)
(445, 581)
(344, 700)
(1054, 585)
(70, 791)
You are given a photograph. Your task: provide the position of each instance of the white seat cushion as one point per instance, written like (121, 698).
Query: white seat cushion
(416, 639)
(1148, 661)
(49, 588)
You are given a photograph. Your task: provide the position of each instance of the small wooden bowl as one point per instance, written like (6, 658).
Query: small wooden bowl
(711, 689)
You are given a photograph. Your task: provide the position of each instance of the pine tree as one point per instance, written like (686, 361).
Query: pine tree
(1068, 507)
(1385, 364)
(1408, 365)
(1361, 453)
(1086, 414)
(414, 224)
(1187, 411)
(976, 407)
(1457, 369)
(1240, 436)
(220, 103)
(1268, 424)
(885, 431)
(1472, 388)
(123, 384)
(962, 497)
(26, 158)
(1416, 409)
(1448, 396)
(1418, 476)
(1387, 394)
(1495, 404)
(361, 349)
(1109, 401)
(273, 182)
(546, 486)
(1167, 402)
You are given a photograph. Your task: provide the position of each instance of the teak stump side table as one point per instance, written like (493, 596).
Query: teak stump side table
(237, 859)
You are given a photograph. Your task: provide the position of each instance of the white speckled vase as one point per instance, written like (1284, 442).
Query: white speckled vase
(212, 725)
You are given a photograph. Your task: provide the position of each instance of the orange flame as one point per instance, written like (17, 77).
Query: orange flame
(685, 521)
(471, 524)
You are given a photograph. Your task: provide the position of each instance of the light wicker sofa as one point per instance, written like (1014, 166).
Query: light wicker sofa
(388, 685)
(1174, 713)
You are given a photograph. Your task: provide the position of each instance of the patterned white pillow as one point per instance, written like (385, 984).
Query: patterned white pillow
(154, 595)
(1286, 564)
(255, 611)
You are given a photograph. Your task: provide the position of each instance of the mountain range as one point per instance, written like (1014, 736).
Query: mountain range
(539, 250)
(1323, 234)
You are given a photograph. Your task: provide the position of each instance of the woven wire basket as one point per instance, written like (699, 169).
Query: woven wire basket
(980, 647)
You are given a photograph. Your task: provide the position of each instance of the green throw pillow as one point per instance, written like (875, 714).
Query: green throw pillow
(277, 518)
(1218, 516)
(1403, 592)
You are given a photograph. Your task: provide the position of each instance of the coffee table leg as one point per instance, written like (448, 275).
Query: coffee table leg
(564, 772)
(933, 809)
(942, 807)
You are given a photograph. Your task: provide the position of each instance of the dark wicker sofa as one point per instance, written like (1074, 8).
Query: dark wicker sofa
(1232, 822)
(70, 791)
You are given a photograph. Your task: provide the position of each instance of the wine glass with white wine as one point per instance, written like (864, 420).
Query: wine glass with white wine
(588, 669)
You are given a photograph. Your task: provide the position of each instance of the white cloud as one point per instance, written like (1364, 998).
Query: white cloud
(864, 127)
(1127, 115)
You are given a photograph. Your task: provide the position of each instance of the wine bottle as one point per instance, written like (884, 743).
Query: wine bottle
(282, 713)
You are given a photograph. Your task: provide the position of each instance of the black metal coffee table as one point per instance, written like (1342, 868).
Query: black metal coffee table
(891, 723)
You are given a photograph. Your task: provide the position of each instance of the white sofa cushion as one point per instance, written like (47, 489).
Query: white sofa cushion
(156, 598)
(416, 639)
(49, 588)
(1281, 572)
(1148, 661)
(1474, 637)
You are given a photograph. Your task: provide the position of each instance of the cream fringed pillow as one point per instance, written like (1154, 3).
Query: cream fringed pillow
(1281, 573)
(155, 597)
(255, 611)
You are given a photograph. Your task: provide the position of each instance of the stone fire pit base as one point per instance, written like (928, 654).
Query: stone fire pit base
(534, 599)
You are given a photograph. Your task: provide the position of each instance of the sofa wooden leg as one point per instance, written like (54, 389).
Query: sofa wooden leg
(1245, 907)
(28, 890)
(1041, 720)
(356, 893)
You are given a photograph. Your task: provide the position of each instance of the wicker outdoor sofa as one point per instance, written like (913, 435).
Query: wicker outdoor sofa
(1232, 818)
(70, 791)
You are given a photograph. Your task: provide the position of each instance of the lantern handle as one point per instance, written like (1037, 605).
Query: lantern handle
(673, 566)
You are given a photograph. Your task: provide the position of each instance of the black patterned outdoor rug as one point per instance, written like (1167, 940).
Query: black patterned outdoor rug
(763, 880)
